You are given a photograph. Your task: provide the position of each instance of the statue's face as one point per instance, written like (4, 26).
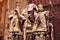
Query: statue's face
(40, 6)
(29, 12)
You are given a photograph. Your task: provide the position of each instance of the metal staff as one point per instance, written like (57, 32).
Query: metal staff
(50, 16)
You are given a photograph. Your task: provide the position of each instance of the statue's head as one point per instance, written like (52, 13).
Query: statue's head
(32, 7)
(40, 7)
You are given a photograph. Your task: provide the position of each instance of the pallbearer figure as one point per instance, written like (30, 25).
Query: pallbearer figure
(41, 18)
